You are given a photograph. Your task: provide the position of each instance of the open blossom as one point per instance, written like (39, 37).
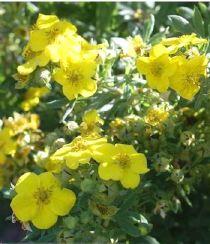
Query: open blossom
(174, 43)
(120, 162)
(158, 67)
(186, 80)
(155, 116)
(51, 32)
(79, 151)
(40, 199)
(32, 60)
(76, 76)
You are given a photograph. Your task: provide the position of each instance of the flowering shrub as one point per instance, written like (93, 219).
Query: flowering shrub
(108, 137)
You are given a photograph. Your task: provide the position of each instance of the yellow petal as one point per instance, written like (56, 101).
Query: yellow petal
(46, 21)
(62, 201)
(45, 218)
(24, 206)
(104, 153)
(75, 158)
(130, 179)
(59, 76)
(27, 181)
(127, 149)
(42, 59)
(38, 40)
(143, 65)
(158, 50)
(27, 68)
(69, 92)
(110, 171)
(159, 83)
(48, 180)
(139, 163)
(53, 51)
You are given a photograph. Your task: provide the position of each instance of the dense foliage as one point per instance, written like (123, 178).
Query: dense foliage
(104, 122)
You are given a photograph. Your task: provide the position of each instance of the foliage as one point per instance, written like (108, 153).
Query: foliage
(146, 86)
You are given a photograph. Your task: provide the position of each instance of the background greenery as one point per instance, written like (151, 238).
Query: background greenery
(103, 21)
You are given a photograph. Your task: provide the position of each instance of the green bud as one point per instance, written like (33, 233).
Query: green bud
(88, 185)
(70, 222)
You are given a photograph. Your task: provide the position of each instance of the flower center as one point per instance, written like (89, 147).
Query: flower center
(78, 145)
(52, 34)
(123, 160)
(192, 79)
(156, 69)
(42, 195)
(28, 54)
(74, 76)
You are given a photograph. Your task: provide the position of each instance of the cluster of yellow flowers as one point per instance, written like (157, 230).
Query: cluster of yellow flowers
(175, 63)
(156, 116)
(75, 60)
(46, 200)
(17, 138)
(54, 43)
(117, 162)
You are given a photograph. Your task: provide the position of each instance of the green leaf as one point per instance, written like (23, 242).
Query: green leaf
(185, 12)
(145, 240)
(157, 37)
(180, 24)
(198, 22)
(128, 227)
(149, 27)
(134, 224)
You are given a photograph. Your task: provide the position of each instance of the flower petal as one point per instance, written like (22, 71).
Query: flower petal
(62, 201)
(104, 153)
(24, 206)
(27, 68)
(48, 180)
(27, 181)
(42, 40)
(130, 179)
(139, 163)
(110, 171)
(45, 218)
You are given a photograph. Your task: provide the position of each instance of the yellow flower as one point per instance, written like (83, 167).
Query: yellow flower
(186, 80)
(120, 163)
(76, 75)
(91, 124)
(50, 32)
(7, 144)
(40, 199)
(32, 97)
(79, 151)
(45, 41)
(155, 116)
(33, 59)
(135, 46)
(158, 68)
(175, 43)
